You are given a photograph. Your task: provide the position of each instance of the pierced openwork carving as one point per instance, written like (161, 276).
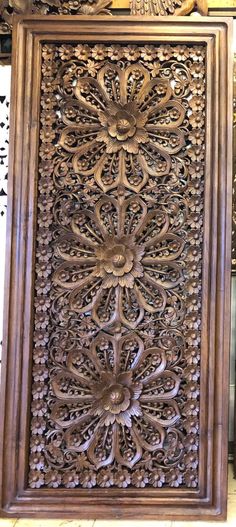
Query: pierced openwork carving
(130, 120)
(118, 273)
(56, 7)
(121, 261)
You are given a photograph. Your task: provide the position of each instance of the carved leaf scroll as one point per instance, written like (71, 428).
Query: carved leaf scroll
(56, 7)
(118, 274)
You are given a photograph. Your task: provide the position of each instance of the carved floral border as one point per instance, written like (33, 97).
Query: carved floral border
(143, 474)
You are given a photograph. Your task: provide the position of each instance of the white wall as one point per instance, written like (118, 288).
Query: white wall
(5, 73)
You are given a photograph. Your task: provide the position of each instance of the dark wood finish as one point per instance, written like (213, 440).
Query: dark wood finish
(118, 276)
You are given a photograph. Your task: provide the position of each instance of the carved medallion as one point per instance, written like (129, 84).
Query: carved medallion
(118, 283)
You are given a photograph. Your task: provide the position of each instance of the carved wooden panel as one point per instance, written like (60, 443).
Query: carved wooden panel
(120, 265)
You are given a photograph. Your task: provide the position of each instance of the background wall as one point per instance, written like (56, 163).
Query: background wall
(5, 76)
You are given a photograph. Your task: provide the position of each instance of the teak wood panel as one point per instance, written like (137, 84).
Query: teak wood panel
(115, 370)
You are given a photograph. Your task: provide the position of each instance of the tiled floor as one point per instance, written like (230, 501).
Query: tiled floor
(231, 521)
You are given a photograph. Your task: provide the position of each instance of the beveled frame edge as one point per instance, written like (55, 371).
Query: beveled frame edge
(16, 500)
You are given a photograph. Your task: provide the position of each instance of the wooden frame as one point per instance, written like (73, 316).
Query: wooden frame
(209, 500)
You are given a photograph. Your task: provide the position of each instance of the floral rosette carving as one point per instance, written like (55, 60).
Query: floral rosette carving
(131, 124)
(115, 400)
(119, 262)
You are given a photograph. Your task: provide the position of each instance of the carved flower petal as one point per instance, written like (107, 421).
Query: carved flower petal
(112, 79)
(88, 230)
(129, 450)
(149, 434)
(154, 95)
(110, 281)
(131, 145)
(167, 139)
(162, 413)
(150, 295)
(154, 160)
(97, 407)
(80, 436)
(136, 77)
(131, 348)
(151, 363)
(69, 275)
(167, 116)
(133, 171)
(91, 95)
(137, 270)
(83, 365)
(127, 281)
(112, 145)
(137, 389)
(133, 214)
(85, 295)
(73, 112)
(125, 418)
(152, 229)
(107, 378)
(105, 310)
(141, 136)
(165, 274)
(164, 387)
(106, 210)
(125, 378)
(74, 248)
(131, 310)
(108, 174)
(101, 451)
(168, 247)
(66, 414)
(87, 157)
(105, 349)
(70, 388)
(72, 136)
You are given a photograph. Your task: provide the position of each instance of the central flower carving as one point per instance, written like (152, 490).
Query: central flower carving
(122, 127)
(119, 261)
(114, 395)
(115, 399)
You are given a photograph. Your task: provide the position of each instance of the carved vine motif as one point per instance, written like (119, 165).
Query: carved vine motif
(61, 7)
(118, 272)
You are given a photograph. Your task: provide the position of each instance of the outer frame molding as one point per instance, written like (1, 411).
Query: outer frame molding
(209, 501)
